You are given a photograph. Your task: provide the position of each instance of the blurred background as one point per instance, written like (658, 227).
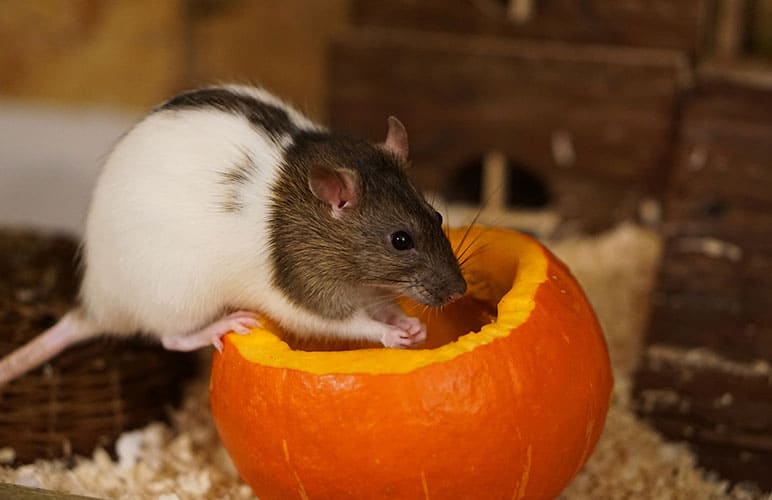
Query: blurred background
(580, 100)
(560, 117)
(74, 75)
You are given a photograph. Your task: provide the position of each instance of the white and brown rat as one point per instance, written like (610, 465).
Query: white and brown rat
(224, 201)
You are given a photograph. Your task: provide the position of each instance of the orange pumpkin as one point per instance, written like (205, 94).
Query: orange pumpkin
(511, 410)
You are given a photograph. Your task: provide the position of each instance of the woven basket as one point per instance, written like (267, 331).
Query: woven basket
(91, 393)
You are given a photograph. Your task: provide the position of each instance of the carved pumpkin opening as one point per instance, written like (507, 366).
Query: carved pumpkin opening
(468, 314)
(504, 277)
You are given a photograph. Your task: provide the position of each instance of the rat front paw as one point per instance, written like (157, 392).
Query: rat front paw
(408, 333)
(413, 326)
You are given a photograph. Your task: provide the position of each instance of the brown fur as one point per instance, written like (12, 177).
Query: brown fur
(330, 266)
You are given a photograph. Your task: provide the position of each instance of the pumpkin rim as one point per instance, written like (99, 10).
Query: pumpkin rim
(262, 346)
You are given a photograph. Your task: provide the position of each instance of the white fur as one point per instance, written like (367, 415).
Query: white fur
(161, 254)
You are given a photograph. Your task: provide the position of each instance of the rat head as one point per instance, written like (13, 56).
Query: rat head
(367, 224)
(392, 238)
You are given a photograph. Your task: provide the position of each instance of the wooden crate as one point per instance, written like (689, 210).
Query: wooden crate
(705, 375)
(594, 122)
(647, 23)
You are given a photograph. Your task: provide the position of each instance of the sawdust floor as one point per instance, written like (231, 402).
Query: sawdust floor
(185, 460)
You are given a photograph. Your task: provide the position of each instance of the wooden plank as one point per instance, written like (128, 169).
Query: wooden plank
(9, 491)
(728, 392)
(705, 298)
(715, 285)
(652, 23)
(721, 406)
(719, 323)
(731, 27)
(716, 214)
(705, 375)
(735, 463)
(463, 96)
(722, 156)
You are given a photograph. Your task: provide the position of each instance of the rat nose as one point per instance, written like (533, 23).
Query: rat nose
(459, 292)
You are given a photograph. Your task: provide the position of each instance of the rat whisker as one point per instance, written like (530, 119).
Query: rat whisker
(473, 254)
(472, 243)
(466, 249)
(483, 205)
(471, 224)
(463, 238)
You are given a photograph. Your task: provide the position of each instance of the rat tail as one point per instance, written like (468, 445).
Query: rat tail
(71, 329)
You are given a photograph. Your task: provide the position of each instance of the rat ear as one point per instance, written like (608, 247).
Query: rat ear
(396, 139)
(336, 187)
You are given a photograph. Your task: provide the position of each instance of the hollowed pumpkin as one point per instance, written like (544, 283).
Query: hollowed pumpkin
(511, 410)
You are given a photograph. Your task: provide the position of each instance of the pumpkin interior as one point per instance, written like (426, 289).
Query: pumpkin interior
(502, 274)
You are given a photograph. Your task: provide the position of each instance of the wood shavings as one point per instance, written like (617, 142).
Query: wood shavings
(632, 461)
(184, 462)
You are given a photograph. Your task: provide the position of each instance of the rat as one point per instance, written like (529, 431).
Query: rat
(226, 201)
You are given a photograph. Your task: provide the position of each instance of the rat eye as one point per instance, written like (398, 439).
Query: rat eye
(438, 216)
(401, 240)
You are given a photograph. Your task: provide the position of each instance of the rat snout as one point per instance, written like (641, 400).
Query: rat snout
(456, 291)
(454, 298)
(440, 281)
(448, 291)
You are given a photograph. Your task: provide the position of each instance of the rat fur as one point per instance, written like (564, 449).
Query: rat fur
(226, 201)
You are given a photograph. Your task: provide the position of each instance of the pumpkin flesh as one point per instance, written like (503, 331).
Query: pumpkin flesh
(511, 410)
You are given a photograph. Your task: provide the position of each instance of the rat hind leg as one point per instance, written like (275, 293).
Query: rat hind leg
(239, 322)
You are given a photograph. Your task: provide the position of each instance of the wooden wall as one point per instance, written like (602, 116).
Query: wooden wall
(462, 96)
(136, 53)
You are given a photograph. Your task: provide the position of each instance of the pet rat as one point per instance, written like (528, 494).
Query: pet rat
(224, 201)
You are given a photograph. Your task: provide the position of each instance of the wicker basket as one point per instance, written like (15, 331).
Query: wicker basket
(92, 392)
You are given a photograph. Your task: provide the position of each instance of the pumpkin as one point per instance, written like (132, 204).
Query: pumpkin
(509, 406)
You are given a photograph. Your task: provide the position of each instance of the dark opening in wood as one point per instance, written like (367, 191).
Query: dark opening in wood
(523, 188)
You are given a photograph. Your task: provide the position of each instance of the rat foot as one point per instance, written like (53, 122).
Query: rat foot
(396, 337)
(239, 322)
(401, 330)
(409, 331)
(413, 326)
